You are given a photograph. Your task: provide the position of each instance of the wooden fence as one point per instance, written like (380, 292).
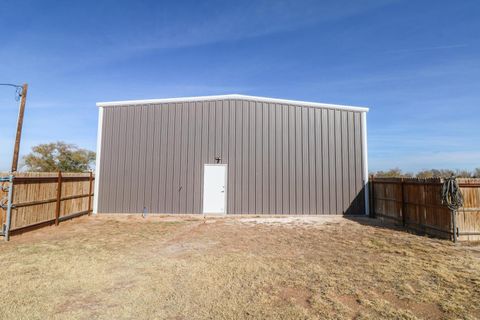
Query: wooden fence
(41, 199)
(416, 204)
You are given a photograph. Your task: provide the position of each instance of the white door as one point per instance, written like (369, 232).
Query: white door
(215, 188)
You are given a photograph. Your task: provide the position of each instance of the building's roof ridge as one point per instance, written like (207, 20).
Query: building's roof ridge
(232, 97)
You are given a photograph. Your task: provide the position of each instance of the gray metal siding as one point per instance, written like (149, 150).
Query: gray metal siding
(282, 159)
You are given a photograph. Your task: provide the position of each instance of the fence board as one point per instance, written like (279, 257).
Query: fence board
(468, 217)
(35, 199)
(416, 204)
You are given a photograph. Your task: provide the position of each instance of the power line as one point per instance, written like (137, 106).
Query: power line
(18, 89)
(11, 85)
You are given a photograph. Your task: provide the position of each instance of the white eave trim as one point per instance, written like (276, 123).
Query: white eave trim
(97, 161)
(365, 164)
(232, 97)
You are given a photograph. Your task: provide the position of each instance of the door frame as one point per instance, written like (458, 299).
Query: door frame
(226, 189)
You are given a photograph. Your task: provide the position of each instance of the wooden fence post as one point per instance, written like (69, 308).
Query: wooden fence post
(90, 180)
(59, 197)
(372, 197)
(424, 215)
(404, 205)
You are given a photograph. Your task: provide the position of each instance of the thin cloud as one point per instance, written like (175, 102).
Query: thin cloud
(201, 25)
(445, 47)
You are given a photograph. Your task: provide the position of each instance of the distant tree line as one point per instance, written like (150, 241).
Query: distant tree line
(61, 156)
(430, 173)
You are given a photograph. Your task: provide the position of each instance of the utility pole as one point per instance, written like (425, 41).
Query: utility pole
(18, 136)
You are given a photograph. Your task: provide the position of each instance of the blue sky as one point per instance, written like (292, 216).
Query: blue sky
(416, 64)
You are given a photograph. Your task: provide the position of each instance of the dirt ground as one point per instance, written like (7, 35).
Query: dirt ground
(235, 268)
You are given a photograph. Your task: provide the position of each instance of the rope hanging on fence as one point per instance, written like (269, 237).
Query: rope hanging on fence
(451, 195)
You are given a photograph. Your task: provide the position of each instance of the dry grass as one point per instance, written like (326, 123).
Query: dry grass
(235, 269)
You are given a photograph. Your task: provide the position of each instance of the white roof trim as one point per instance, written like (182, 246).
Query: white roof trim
(231, 96)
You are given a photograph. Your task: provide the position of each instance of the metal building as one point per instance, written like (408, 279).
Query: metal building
(231, 154)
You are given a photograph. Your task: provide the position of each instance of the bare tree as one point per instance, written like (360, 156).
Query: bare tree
(476, 173)
(393, 173)
(442, 173)
(428, 173)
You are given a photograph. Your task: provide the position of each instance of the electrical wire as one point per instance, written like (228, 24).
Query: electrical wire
(18, 89)
(451, 195)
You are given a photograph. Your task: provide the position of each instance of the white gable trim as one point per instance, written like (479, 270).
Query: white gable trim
(232, 96)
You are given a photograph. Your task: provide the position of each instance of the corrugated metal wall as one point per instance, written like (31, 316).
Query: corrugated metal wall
(282, 159)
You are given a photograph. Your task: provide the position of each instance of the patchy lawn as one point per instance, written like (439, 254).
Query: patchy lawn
(279, 268)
